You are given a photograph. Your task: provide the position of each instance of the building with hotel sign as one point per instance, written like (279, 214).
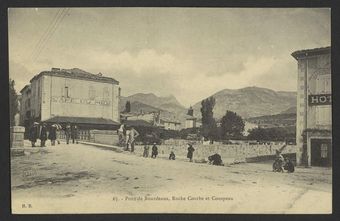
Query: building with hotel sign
(314, 107)
(71, 96)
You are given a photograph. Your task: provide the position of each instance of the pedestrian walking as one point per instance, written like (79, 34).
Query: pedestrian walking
(74, 133)
(33, 133)
(68, 133)
(132, 138)
(52, 135)
(146, 150)
(191, 150)
(154, 151)
(43, 135)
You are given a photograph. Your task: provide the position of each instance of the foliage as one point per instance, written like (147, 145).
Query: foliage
(209, 128)
(232, 125)
(127, 107)
(189, 133)
(271, 134)
(13, 101)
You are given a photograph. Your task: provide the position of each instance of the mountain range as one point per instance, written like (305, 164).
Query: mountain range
(247, 102)
(251, 102)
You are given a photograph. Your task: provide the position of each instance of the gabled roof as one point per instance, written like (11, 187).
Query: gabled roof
(310, 52)
(27, 86)
(76, 73)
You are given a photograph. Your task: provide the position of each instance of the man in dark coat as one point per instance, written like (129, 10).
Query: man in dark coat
(52, 135)
(289, 166)
(68, 133)
(43, 135)
(154, 151)
(33, 133)
(190, 152)
(74, 133)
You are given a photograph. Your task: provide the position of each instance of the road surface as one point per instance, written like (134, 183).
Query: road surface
(78, 178)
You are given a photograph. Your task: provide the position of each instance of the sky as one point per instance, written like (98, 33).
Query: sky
(190, 53)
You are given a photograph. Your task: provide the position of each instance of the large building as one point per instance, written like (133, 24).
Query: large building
(314, 107)
(71, 96)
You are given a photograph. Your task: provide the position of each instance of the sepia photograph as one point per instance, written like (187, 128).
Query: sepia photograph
(124, 110)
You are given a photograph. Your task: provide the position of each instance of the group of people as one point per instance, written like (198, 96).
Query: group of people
(281, 163)
(172, 156)
(154, 151)
(42, 132)
(127, 137)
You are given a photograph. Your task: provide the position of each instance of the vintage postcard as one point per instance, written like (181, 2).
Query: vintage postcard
(170, 110)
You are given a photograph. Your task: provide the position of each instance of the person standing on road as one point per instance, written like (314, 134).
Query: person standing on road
(52, 135)
(132, 138)
(190, 152)
(127, 138)
(154, 151)
(74, 133)
(68, 133)
(121, 135)
(33, 133)
(146, 150)
(58, 129)
(43, 135)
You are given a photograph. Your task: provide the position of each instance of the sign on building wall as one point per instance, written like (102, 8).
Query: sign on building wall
(80, 101)
(319, 99)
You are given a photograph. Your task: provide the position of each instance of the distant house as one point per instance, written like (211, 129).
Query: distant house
(248, 126)
(170, 124)
(152, 118)
(190, 120)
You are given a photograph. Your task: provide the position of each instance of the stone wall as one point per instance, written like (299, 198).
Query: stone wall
(229, 152)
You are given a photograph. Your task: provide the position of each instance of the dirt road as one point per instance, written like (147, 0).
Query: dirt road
(78, 178)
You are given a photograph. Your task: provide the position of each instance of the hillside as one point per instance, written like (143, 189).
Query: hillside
(251, 102)
(169, 106)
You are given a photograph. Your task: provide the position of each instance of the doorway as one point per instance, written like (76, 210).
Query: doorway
(321, 152)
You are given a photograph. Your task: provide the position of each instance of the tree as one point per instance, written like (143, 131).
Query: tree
(127, 107)
(208, 121)
(232, 125)
(13, 101)
(272, 134)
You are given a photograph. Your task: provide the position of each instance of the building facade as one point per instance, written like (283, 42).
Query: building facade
(170, 125)
(70, 95)
(314, 107)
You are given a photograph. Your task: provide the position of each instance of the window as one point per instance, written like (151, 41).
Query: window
(67, 92)
(323, 115)
(105, 92)
(92, 93)
(323, 84)
(323, 150)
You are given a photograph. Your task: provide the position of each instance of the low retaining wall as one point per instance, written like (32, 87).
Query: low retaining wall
(109, 137)
(229, 152)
